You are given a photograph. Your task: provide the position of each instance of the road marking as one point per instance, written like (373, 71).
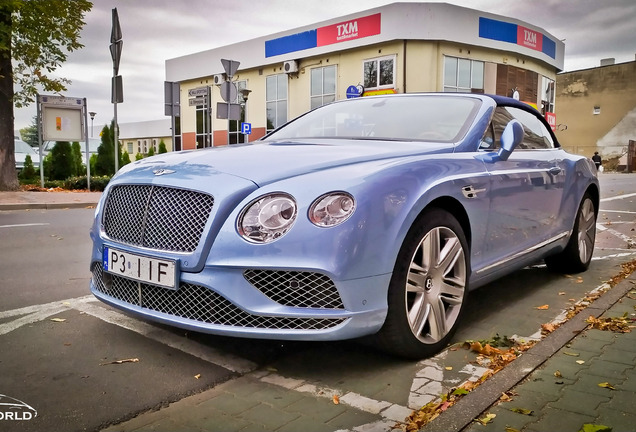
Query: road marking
(630, 242)
(616, 211)
(617, 197)
(24, 225)
(89, 305)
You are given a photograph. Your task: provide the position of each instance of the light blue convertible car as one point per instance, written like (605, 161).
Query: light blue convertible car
(365, 217)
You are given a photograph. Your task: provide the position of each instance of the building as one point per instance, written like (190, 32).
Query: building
(597, 109)
(140, 137)
(398, 48)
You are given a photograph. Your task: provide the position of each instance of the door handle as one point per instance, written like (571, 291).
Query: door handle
(555, 170)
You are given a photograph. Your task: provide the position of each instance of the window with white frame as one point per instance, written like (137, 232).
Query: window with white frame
(130, 148)
(379, 73)
(463, 75)
(323, 85)
(547, 95)
(276, 100)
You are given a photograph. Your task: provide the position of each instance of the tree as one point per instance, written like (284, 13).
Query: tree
(151, 151)
(105, 164)
(35, 39)
(125, 159)
(30, 134)
(62, 161)
(162, 147)
(78, 167)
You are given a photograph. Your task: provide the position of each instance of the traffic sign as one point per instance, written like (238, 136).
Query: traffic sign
(198, 101)
(246, 128)
(228, 111)
(199, 91)
(352, 92)
(230, 67)
(229, 93)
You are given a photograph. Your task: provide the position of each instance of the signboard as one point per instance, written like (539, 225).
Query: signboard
(246, 128)
(228, 111)
(199, 91)
(62, 124)
(230, 67)
(551, 118)
(353, 91)
(198, 101)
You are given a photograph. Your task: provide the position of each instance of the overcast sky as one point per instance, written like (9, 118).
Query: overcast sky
(157, 30)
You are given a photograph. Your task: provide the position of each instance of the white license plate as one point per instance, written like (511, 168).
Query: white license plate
(140, 268)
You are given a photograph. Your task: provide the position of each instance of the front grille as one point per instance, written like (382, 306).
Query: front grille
(295, 288)
(156, 217)
(198, 303)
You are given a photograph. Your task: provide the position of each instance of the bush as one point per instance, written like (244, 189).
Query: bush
(62, 161)
(28, 171)
(98, 183)
(125, 159)
(139, 156)
(162, 147)
(151, 151)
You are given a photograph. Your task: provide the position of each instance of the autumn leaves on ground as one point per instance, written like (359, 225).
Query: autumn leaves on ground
(498, 352)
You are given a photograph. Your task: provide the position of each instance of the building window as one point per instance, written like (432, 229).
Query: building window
(235, 135)
(276, 101)
(547, 95)
(203, 124)
(463, 75)
(379, 73)
(154, 145)
(145, 147)
(138, 146)
(130, 148)
(323, 86)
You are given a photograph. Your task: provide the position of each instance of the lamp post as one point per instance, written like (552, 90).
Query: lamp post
(245, 93)
(92, 114)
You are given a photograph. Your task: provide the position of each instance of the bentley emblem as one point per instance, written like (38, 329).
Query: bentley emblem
(162, 171)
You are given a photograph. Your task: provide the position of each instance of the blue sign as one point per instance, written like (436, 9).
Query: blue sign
(352, 92)
(246, 128)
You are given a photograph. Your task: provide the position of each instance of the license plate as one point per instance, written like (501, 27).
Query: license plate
(140, 268)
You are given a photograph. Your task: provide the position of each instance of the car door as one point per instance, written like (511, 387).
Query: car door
(526, 189)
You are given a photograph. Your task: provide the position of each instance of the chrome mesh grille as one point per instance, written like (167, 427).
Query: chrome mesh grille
(197, 303)
(295, 288)
(156, 217)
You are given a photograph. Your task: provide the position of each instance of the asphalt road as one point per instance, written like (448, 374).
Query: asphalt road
(83, 365)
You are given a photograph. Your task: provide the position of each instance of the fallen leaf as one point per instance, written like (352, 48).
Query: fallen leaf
(460, 392)
(58, 319)
(522, 411)
(509, 429)
(197, 376)
(573, 354)
(336, 399)
(606, 385)
(558, 374)
(561, 292)
(486, 419)
(130, 360)
(448, 368)
(595, 428)
(548, 328)
(544, 307)
(580, 361)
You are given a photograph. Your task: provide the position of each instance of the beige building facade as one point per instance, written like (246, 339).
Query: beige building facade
(398, 48)
(597, 109)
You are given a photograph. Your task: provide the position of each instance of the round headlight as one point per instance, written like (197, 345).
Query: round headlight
(267, 218)
(332, 209)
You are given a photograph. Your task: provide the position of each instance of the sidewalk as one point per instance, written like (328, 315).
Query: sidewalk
(47, 200)
(574, 376)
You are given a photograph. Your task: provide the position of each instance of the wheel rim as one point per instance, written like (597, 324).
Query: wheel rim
(587, 231)
(435, 285)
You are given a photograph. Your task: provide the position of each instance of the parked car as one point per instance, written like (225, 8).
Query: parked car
(365, 217)
(22, 149)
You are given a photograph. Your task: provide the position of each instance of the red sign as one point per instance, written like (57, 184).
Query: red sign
(349, 30)
(551, 118)
(529, 38)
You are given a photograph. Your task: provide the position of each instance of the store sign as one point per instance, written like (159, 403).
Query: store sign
(512, 33)
(551, 118)
(341, 32)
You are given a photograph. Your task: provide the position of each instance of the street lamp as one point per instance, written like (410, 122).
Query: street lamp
(92, 114)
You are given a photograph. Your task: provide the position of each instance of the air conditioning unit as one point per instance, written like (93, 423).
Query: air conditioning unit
(219, 78)
(290, 66)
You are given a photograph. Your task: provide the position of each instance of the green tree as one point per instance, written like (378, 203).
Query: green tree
(62, 161)
(30, 134)
(125, 159)
(151, 151)
(35, 39)
(28, 171)
(105, 164)
(78, 167)
(162, 147)
(139, 156)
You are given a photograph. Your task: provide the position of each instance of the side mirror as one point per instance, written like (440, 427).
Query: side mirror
(510, 139)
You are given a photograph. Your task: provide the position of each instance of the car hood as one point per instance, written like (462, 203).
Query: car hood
(266, 162)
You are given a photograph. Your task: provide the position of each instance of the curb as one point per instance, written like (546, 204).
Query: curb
(45, 206)
(481, 398)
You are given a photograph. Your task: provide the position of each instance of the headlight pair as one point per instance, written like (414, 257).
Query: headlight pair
(271, 216)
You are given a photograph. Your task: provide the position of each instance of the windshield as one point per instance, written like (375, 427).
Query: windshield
(409, 117)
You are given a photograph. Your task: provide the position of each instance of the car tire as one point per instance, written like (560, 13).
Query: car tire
(428, 289)
(577, 254)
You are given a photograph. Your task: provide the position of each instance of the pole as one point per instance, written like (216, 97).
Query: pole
(88, 163)
(38, 116)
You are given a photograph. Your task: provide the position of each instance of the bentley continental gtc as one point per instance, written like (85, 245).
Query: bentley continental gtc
(370, 217)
